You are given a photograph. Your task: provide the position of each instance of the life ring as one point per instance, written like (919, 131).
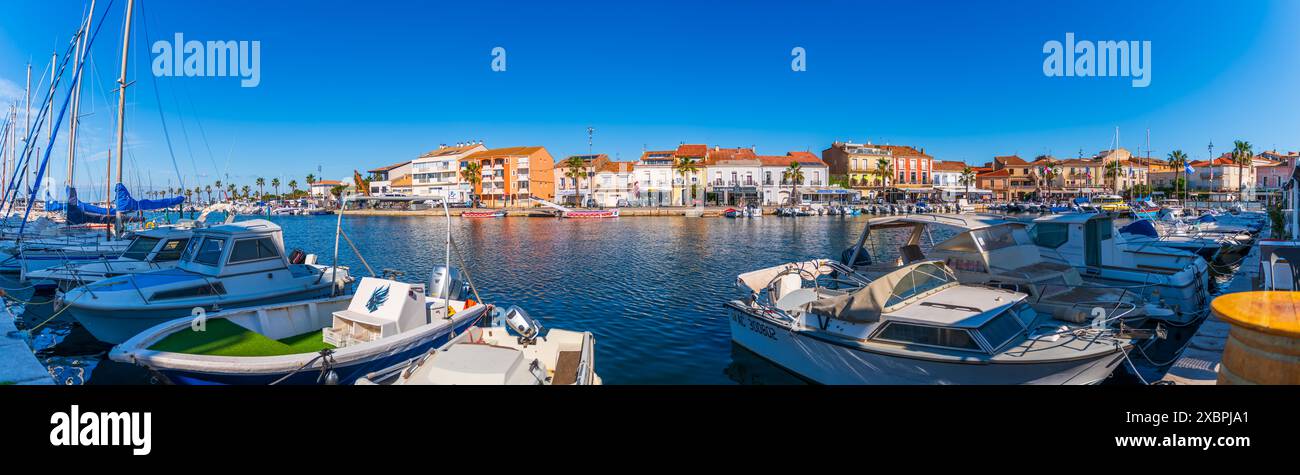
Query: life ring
(150, 225)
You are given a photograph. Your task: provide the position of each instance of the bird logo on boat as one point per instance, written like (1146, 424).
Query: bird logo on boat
(377, 298)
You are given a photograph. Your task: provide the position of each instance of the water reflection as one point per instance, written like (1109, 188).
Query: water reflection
(650, 288)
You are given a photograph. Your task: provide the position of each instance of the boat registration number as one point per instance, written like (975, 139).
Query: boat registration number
(754, 325)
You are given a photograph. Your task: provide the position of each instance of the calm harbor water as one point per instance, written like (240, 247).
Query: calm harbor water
(650, 288)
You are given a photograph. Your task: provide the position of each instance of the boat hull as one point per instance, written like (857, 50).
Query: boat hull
(117, 326)
(822, 361)
(348, 373)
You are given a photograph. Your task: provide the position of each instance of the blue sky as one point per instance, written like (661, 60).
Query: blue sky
(349, 85)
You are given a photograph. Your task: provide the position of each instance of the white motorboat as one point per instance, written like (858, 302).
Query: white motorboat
(987, 250)
(916, 325)
(509, 354)
(1174, 279)
(242, 264)
(150, 250)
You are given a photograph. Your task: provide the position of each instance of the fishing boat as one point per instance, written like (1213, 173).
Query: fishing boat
(242, 264)
(484, 214)
(512, 353)
(1174, 279)
(989, 251)
(590, 213)
(916, 325)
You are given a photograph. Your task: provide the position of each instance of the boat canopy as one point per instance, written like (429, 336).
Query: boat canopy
(887, 293)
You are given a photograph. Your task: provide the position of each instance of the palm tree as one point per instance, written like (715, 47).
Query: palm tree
(573, 168)
(471, 173)
(1178, 161)
(685, 168)
(967, 179)
(1241, 156)
(884, 171)
(794, 173)
(275, 183)
(208, 189)
(230, 191)
(246, 190)
(260, 183)
(293, 187)
(310, 179)
(1113, 171)
(188, 194)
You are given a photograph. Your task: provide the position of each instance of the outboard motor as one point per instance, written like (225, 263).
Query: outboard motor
(448, 284)
(297, 256)
(523, 324)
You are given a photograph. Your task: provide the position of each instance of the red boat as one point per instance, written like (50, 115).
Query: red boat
(484, 214)
(591, 213)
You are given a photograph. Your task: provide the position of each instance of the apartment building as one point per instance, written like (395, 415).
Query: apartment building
(436, 174)
(511, 175)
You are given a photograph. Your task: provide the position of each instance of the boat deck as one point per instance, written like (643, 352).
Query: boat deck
(566, 368)
(223, 338)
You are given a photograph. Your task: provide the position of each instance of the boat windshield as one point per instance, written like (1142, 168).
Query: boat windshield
(999, 237)
(140, 248)
(171, 250)
(922, 278)
(206, 251)
(1001, 329)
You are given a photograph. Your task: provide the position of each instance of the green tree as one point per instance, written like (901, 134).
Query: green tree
(1113, 171)
(574, 168)
(1178, 161)
(884, 172)
(967, 179)
(472, 173)
(260, 183)
(1242, 155)
(686, 168)
(275, 183)
(794, 173)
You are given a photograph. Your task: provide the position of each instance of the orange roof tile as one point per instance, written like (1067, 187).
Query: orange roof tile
(504, 152)
(692, 150)
(1010, 160)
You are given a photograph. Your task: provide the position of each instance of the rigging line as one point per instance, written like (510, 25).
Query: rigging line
(54, 127)
(158, 100)
(29, 144)
(189, 149)
(202, 135)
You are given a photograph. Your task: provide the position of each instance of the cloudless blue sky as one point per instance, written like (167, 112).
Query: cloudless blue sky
(356, 85)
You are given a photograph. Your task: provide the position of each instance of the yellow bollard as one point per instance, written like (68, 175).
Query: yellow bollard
(1264, 343)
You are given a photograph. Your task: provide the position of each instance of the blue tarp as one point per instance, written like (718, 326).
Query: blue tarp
(1082, 200)
(1141, 227)
(78, 215)
(126, 204)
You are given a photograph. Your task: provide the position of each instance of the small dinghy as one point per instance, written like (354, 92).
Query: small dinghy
(495, 356)
(333, 340)
(484, 214)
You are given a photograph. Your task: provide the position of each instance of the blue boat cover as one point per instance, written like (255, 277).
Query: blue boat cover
(79, 215)
(1081, 200)
(1205, 218)
(1141, 227)
(126, 204)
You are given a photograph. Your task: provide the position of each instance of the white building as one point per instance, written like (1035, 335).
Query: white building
(381, 179)
(652, 178)
(776, 188)
(437, 174)
(321, 188)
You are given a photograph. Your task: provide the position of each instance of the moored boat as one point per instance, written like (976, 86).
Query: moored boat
(590, 213)
(484, 214)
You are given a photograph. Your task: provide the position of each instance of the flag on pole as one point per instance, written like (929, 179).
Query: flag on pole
(1187, 168)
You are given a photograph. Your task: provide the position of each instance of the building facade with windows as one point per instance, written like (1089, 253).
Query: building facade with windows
(436, 174)
(511, 175)
(381, 179)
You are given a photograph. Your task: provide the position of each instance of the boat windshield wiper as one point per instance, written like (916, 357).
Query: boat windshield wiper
(947, 306)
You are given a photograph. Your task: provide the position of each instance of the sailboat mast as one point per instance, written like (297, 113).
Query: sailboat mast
(121, 95)
(76, 101)
(49, 134)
